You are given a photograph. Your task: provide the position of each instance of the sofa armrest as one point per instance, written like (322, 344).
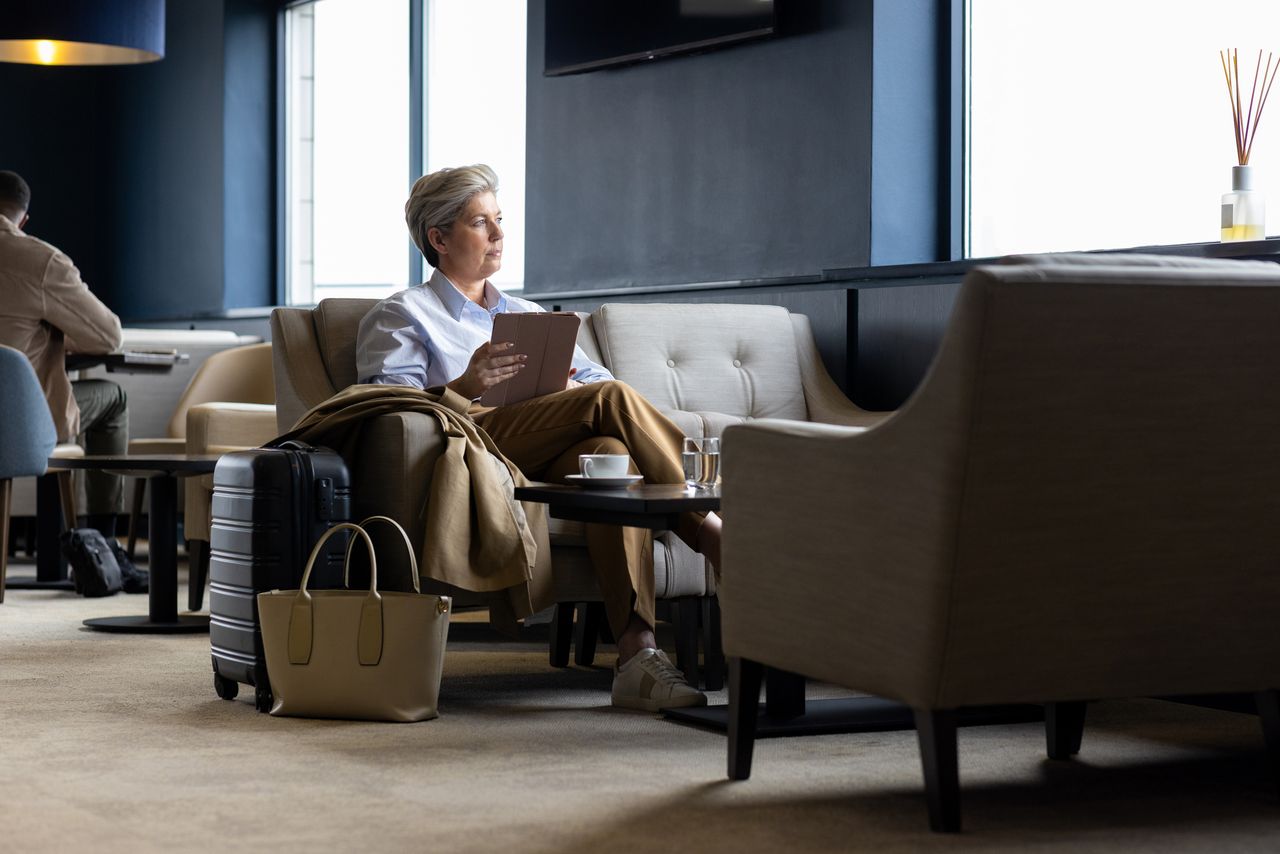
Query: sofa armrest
(823, 398)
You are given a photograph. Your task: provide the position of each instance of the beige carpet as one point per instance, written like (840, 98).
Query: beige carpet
(118, 743)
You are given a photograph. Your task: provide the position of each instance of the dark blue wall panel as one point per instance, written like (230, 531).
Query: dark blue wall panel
(249, 155)
(158, 179)
(53, 134)
(167, 223)
(906, 131)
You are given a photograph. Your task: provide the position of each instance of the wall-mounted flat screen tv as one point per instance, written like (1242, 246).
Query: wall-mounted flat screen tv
(586, 34)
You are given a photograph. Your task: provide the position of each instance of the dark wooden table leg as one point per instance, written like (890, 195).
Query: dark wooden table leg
(783, 694)
(162, 599)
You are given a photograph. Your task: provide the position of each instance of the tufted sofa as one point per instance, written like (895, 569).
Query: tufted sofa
(706, 366)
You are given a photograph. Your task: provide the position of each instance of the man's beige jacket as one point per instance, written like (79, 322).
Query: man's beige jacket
(476, 536)
(46, 311)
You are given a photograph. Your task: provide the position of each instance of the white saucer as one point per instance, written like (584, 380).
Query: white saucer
(604, 482)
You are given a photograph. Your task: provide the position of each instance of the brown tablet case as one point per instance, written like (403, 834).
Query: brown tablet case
(548, 339)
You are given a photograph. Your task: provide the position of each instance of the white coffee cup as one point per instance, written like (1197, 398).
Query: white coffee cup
(603, 465)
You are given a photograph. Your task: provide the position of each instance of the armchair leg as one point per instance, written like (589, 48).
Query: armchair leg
(936, 731)
(744, 703)
(1269, 711)
(1064, 728)
(197, 572)
(135, 515)
(586, 631)
(561, 634)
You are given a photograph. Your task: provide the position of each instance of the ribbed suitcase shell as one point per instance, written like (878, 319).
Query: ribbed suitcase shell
(270, 506)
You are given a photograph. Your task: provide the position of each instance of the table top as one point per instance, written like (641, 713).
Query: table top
(644, 499)
(129, 361)
(139, 464)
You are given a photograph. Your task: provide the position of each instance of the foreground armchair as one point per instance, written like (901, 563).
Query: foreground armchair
(1079, 502)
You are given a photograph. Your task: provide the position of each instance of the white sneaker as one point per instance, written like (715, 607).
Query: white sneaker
(650, 682)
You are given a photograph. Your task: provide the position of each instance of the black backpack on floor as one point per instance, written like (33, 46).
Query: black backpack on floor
(94, 568)
(100, 566)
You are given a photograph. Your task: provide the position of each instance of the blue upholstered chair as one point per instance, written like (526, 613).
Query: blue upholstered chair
(27, 436)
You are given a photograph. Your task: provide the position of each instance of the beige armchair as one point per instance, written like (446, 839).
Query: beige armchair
(227, 405)
(1078, 503)
(314, 352)
(707, 366)
(241, 374)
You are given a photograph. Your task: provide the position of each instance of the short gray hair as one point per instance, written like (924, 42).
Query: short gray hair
(437, 200)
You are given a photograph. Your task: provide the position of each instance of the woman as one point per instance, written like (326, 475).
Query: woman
(437, 334)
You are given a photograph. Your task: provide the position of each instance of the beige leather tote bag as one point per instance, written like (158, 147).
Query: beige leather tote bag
(364, 655)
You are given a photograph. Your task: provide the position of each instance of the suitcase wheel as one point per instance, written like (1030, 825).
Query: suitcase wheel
(262, 698)
(226, 688)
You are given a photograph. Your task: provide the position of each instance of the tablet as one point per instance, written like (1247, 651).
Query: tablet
(548, 339)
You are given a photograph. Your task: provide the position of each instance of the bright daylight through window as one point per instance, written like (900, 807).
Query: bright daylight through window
(348, 132)
(1100, 124)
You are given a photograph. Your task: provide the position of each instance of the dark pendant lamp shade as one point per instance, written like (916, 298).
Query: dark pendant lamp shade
(81, 32)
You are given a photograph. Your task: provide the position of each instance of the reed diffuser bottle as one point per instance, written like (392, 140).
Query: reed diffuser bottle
(1244, 210)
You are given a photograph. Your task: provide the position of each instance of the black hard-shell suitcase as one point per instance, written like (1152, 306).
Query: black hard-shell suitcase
(270, 506)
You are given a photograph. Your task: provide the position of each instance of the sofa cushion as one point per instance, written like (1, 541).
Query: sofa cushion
(705, 366)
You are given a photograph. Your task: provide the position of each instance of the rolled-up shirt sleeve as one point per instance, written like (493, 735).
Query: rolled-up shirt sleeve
(588, 371)
(391, 348)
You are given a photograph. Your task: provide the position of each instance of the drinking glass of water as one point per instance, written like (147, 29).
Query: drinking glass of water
(701, 461)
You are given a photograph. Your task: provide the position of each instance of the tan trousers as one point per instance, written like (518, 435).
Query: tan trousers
(544, 435)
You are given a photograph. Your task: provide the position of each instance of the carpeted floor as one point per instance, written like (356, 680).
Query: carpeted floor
(118, 743)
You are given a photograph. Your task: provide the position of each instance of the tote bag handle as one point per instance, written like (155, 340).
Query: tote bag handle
(408, 547)
(301, 614)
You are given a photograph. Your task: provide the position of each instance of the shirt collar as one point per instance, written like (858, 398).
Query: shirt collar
(495, 300)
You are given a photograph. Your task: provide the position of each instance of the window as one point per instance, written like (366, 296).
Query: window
(475, 105)
(1099, 124)
(350, 116)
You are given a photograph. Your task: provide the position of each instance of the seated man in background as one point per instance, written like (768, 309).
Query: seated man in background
(46, 311)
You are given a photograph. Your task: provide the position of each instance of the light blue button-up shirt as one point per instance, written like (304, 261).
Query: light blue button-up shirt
(424, 336)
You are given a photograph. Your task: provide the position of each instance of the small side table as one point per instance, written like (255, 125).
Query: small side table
(655, 506)
(162, 471)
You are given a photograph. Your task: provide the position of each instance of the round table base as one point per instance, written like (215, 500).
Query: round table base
(185, 624)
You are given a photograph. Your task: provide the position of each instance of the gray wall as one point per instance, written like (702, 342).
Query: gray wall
(747, 162)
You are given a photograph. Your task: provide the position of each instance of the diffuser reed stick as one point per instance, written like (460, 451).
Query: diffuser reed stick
(1245, 118)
